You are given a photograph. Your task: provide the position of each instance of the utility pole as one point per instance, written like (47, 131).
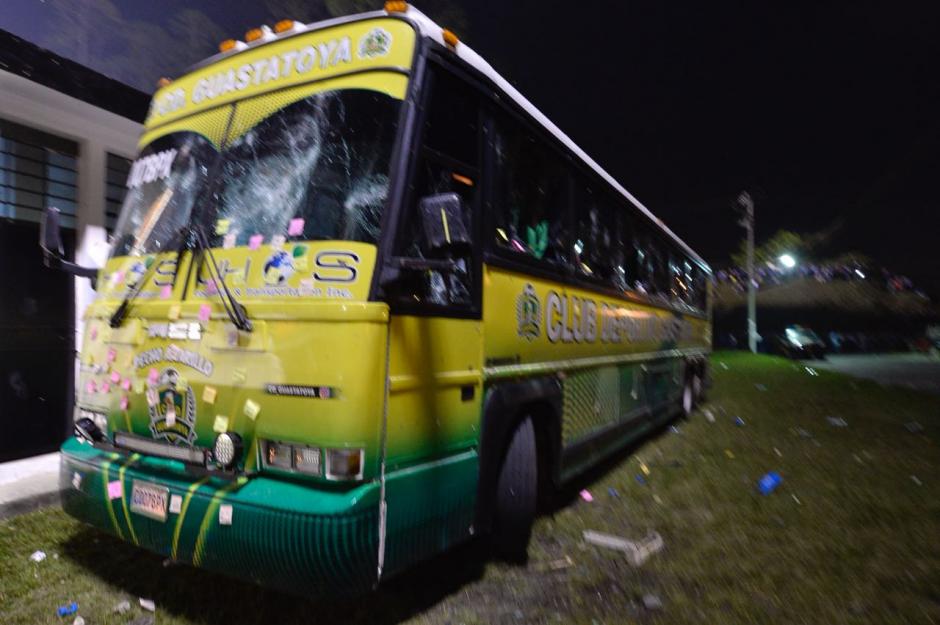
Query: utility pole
(747, 206)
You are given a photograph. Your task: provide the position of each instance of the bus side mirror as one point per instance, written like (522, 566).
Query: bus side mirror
(442, 218)
(50, 240)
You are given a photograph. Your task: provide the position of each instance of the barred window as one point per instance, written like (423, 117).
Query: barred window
(37, 170)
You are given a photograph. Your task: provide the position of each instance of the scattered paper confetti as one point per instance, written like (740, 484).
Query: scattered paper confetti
(38, 556)
(729, 453)
(90, 387)
(147, 604)
(228, 241)
(658, 499)
(125, 402)
(94, 332)
(777, 451)
(166, 291)
(254, 242)
(208, 394)
(296, 227)
(220, 424)
(115, 490)
(205, 311)
(225, 514)
(153, 375)
(277, 241)
(173, 313)
(916, 481)
(797, 500)
(176, 504)
(211, 288)
(252, 408)
(222, 226)
(67, 609)
(586, 495)
(112, 354)
(738, 421)
(106, 387)
(645, 469)
(115, 377)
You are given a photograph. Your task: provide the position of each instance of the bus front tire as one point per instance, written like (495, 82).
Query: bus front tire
(516, 494)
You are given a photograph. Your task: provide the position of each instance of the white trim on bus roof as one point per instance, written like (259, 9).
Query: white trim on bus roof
(432, 30)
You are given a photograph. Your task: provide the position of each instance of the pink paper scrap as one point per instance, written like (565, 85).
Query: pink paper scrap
(124, 402)
(90, 387)
(106, 387)
(296, 227)
(115, 377)
(153, 376)
(112, 354)
(94, 332)
(205, 311)
(254, 242)
(211, 289)
(586, 495)
(126, 384)
(115, 490)
(166, 291)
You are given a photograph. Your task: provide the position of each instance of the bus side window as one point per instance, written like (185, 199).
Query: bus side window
(531, 194)
(447, 163)
(597, 248)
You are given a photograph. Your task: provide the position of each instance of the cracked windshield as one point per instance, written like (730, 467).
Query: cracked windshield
(317, 169)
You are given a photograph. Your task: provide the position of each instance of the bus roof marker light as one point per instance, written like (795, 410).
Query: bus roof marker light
(231, 44)
(283, 26)
(450, 38)
(396, 6)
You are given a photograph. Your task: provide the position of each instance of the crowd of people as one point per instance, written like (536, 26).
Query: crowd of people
(771, 274)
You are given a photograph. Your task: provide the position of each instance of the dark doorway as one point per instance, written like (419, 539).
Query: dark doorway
(37, 354)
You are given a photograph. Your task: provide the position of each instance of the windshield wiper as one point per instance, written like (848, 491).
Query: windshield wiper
(117, 318)
(235, 311)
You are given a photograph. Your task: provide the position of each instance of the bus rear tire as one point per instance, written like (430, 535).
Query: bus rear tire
(516, 494)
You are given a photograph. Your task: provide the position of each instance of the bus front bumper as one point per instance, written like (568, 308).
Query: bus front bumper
(295, 537)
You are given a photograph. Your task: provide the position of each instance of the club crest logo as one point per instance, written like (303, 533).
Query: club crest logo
(279, 268)
(172, 410)
(375, 43)
(528, 313)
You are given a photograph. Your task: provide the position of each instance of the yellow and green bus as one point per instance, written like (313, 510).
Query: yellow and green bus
(364, 302)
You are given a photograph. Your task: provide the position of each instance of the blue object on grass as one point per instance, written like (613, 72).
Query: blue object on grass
(65, 610)
(640, 479)
(769, 482)
(738, 421)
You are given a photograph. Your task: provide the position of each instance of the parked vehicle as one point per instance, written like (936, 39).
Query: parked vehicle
(799, 342)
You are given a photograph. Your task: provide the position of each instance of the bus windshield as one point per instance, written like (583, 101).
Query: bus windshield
(316, 169)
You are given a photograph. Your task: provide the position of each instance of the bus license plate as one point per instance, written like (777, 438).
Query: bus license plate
(149, 500)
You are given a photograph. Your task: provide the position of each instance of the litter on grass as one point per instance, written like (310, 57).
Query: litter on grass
(838, 422)
(797, 500)
(811, 371)
(777, 451)
(709, 416)
(612, 492)
(122, 607)
(586, 495)
(769, 482)
(640, 479)
(915, 480)
(147, 604)
(738, 421)
(914, 427)
(67, 609)
(556, 565)
(78, 621)
(723, 366)
(38, 556)
(674, 429)
(637, 552)
(651, 602)
(729, 453)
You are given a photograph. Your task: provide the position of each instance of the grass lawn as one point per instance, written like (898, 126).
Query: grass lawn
(851, 536)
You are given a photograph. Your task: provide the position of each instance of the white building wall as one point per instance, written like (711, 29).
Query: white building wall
(96, 131)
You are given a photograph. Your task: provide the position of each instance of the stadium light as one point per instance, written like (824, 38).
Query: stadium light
(787, 261)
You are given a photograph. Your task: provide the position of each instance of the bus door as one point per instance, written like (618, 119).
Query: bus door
(436, 334)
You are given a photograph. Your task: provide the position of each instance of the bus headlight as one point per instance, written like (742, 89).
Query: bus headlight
(344, 464)
(227, 449)
(307, 460)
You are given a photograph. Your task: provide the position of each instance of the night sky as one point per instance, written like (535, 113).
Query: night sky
(827, 113)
